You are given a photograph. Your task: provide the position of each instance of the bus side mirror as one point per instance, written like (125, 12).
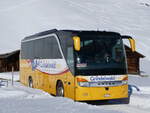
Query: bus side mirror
(76, 40)
(132, 42)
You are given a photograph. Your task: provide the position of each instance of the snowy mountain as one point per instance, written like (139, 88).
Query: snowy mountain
(20, 18)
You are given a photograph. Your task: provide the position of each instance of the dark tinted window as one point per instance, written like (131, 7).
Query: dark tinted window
(102, 56)
(45, 48)
(56, 50)
(27, 50)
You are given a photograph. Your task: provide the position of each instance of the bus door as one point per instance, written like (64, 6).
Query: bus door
(70, 84)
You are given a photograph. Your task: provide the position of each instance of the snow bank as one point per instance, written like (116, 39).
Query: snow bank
(9, 75)
(19, 98)
(21, 92)
(57, 105)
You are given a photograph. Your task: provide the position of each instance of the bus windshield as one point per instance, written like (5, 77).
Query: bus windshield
(102, 56)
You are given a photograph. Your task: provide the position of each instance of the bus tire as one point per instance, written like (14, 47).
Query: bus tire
(30, 82)
(60, 89)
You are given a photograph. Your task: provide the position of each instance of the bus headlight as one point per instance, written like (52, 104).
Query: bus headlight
(84, 84)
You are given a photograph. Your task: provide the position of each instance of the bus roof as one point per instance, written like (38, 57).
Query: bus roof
(78, 32)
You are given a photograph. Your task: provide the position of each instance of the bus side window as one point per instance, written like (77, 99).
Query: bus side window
(56, 50)
(47, 48)
(27, 50)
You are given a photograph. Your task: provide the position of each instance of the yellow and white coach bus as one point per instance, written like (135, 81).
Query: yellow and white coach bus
(81, 65)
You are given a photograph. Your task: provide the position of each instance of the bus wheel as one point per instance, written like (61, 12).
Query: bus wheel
(60, 89)
(30, 82)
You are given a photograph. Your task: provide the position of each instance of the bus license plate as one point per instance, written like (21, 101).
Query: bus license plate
(107, 95)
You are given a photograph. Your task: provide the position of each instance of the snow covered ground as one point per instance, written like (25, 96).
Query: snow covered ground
(9, 76)
(18, 98)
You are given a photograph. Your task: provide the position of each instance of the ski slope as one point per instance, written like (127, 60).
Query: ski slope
(20, 18)
(18, 98)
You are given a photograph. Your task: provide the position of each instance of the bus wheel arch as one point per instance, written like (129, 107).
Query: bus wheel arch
(59, 88)
(30, 82)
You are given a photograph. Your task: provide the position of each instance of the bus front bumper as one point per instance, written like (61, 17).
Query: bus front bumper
(101, 93)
